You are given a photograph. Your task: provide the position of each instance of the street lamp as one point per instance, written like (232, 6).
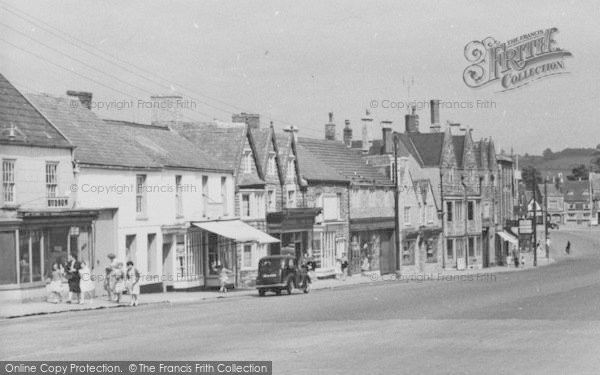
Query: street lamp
(397, 206)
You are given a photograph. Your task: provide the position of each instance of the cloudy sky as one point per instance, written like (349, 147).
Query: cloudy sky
(295, 61)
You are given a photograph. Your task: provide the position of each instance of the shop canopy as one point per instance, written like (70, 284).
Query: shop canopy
(508, 237)
(236, 230)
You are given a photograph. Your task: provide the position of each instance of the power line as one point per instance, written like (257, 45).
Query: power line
(14, 10)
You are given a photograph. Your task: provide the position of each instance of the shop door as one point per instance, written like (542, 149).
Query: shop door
(387, 262)
(486, 249)
(167, 261)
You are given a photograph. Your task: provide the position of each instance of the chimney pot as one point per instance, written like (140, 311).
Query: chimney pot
(386, 129)
(366, 131)
(348, 134)
(250, 119)
(330, 128)
(85, 98)
(412, 121)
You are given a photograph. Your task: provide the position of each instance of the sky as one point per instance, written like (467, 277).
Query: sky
(294, 62)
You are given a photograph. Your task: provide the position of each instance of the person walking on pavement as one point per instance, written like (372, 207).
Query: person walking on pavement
(345, 265)
(568, 248)
(223, 278)
(72, 273)
(133, 283)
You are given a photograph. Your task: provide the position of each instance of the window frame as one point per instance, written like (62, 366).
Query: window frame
(6, 183)
(141, 195)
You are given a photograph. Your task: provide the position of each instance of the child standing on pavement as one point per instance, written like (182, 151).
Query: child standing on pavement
(55, 286)
(86, 285)
(133, 283)
(223, 279)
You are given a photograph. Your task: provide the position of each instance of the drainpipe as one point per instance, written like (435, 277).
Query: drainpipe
(348, 252)
(443, 215)
(465, 212)
(397, 207)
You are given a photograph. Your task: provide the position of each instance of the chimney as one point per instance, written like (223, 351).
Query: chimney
(348, 134)
(166, 109)
(330, 128)
(250, 119)
(454, 127)
(386, 129)
(84, 97)
(434, 106)
(412, 121)
(366, 131)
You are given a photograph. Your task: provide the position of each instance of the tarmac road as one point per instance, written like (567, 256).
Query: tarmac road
(539, 321)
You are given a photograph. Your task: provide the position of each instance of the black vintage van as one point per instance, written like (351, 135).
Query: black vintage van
(281, 272)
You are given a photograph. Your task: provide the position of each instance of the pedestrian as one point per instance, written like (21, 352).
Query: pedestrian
(223, 278)
(345, 266)
(515, 254)
(55, 286)
(109, 280)
(365, 267)
(119, 276)
(133, 283)
(568, 248)
(338, 268)
(86, 285)
(72, 273)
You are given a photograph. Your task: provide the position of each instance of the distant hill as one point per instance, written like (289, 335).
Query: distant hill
(563, 161)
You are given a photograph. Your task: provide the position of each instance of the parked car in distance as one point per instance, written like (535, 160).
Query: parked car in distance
(552, 225)
(280, 272)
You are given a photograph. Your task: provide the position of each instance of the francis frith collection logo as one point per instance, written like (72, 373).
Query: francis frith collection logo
(514, 63)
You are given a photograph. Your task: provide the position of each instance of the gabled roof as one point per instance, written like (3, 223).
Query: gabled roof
(425, 147)
(575, 191)
(312, 168)
(459, 149)
(120, 143)
(345, 161)
(29, 126)
(284, 145)
(224, 141)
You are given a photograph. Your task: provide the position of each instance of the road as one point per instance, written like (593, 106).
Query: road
(540, 321)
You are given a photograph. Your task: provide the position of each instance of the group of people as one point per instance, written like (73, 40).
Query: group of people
(117, 280)
(79, 278)
(81, 284)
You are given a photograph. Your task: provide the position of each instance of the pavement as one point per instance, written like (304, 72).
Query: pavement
(535, 321)
(18, 309)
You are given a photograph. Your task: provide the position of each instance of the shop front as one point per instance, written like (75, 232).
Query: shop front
(35, 240)
(421, 250)
(372, 239)
(294, 227)
(506, 245)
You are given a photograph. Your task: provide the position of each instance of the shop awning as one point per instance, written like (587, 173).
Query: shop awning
(508, 237)
(236, 230)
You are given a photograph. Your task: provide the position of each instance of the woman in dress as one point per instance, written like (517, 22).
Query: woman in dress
(86, 285)
(109, 280)
(72, 272)
(119, 276)
(223, 279)
(55, 286)
(133, 283)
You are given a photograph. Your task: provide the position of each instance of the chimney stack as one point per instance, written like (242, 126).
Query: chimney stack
(348, 134)
(434, 106)
(366, 130)
(454, 127)
(330, 128)
(166, 109)
(85, 98)
(250, 119)
(386, 130)
(412, 121)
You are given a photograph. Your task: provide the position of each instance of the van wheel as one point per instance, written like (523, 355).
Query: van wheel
(261, 292)
(288, 287)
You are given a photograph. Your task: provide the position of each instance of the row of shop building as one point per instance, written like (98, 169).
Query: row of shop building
(180, 199)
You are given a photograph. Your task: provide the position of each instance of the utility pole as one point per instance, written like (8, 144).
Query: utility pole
(397, 207)
(465, 213)
(546, 219)
(534, 223)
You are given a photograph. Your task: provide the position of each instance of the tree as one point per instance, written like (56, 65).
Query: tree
(580, 172)
(547, 154)
(531, 176)
(598, 146)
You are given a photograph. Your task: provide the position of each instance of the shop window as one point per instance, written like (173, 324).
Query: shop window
(30, 256)
(57, 247)
(8, 265)
(220, 253)
(431, 250)
(408, 253)
(471, 246)
(247, 256)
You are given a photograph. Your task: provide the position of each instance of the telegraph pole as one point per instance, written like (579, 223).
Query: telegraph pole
(534, 223)
(397, 207)
(546, 219)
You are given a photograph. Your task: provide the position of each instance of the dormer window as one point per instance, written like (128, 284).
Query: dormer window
(247, 161)
(271, 164)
